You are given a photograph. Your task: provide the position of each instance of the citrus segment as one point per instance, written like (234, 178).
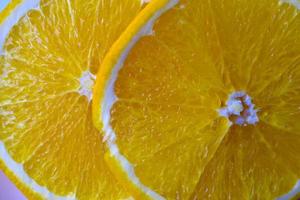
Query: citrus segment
(174, 180)
(255, 164)
(48, 144)
(104, 95)
(176, 115)
(173, 123)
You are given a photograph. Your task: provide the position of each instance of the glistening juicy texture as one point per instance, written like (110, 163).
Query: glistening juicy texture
(45, 113)
(174, 82)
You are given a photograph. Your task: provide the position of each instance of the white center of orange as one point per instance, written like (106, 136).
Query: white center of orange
(87, 81)
(240, 109)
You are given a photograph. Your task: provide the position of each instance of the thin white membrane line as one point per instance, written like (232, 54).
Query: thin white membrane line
(110, 98)
(16, 168)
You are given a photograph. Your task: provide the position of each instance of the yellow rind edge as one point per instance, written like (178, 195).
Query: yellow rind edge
(30, 194)
(8, 9)
(113, 55)
(102, 79)
(114, 166)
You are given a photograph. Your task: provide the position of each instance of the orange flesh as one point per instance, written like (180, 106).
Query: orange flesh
(45, 123)
(173, 83)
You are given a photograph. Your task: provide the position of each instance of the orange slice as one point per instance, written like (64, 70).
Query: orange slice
(206, 107)
(50, 51)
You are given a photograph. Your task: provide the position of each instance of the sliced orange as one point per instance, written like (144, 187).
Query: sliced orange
(50, 51)
(207, 106)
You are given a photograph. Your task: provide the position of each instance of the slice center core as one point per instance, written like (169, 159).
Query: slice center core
(87, 81)
(239, 109)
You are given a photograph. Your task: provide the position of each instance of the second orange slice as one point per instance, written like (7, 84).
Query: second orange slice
(206, 106)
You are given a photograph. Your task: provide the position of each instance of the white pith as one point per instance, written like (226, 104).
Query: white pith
(3, 4)
(295, 3)
(145, 1)
(110, 98)
(15, 16)
(292, 193)
(87, 81)
(239, 109)
(17, 168)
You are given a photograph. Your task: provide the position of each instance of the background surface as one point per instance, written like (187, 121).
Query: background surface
(3, 3)
(7, 189)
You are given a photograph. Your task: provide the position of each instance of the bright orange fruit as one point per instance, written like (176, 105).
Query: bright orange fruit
(207, 106)
(50, 51)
